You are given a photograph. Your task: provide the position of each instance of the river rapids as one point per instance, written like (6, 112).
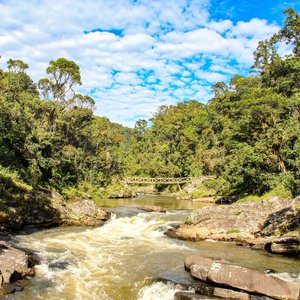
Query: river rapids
(121, 259)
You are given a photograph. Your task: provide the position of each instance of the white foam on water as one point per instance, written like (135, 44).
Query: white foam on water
(158, 291)
(100, 259)
(288, 276)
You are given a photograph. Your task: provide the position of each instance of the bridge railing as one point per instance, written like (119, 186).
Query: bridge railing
(166, 180)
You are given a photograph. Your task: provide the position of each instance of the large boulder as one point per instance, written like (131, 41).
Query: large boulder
(242, 221)
(225, 274)
(85, 213)
(45, 208)
(15, 265)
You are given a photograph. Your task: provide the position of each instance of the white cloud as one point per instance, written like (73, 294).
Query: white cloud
(134, 55)
(221, 26)
(254, 28)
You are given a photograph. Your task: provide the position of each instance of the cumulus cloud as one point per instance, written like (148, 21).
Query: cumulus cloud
(133, 55)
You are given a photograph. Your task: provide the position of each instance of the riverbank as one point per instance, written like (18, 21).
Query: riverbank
(255, 224)
(123, 258)
(38, 209)
(139, 238)
(44, 208)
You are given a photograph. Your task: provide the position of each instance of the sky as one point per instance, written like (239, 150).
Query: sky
(136, 55)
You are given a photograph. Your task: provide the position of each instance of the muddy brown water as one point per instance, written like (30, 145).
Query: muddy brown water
(120, 259)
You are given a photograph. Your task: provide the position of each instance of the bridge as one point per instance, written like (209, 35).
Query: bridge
(163, 180)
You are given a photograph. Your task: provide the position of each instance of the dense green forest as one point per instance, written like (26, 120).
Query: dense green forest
(247, 135)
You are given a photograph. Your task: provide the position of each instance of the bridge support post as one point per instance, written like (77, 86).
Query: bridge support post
(179, 187)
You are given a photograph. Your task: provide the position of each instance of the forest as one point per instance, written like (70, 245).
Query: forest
(247, 135)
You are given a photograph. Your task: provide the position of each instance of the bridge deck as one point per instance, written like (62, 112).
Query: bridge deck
(145, 180)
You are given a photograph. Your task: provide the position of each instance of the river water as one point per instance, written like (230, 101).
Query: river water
(120, 259)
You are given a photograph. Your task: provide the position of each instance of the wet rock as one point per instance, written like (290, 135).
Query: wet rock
(15, 264)
(284, 245)
(254, 244)
(188, 296)
(58, 265)
(245, 279)
(230, 294)
(198, 287)
(171, 233)
(242, 221)
(148, 208)
(8, 288)
(207, 290)
(123, 193)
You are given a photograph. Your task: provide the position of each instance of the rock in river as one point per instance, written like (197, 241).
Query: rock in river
(15, 265)
(84, 213)
(242, 221)
(284, 245)
(222, 273)
(45, 208)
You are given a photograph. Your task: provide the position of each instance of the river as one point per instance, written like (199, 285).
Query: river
(120, 259)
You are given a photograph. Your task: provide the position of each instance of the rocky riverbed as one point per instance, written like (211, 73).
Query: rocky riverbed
(226, 280)
(86, 263)
(16, 264)
(39, 209)
(257, 224)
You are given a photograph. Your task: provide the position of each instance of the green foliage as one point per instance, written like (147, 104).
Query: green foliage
(11, 180)
(188, 222)
(233, 231)
(247, 135)
(279, 191)
(237, 212)
(55, 144)
(203, 191)
(64, 77)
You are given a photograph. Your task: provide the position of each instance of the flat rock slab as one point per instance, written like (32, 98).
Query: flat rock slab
(241, 221)
(245, 279)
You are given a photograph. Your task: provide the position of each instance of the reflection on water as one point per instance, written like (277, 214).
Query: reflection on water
(163, 201)
(118, 260)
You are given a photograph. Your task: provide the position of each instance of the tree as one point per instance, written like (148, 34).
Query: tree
(64, 77)
(82, 101)
(16, 65)
(219, 88)
(264, 56)
(290, 33)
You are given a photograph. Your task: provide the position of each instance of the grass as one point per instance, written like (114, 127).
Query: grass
(11, 187)
(203, 191)
(233, 231)
(85, 190)
(11, 180)
(278, 191)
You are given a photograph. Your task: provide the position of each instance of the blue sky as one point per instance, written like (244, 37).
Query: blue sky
(137, 55)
